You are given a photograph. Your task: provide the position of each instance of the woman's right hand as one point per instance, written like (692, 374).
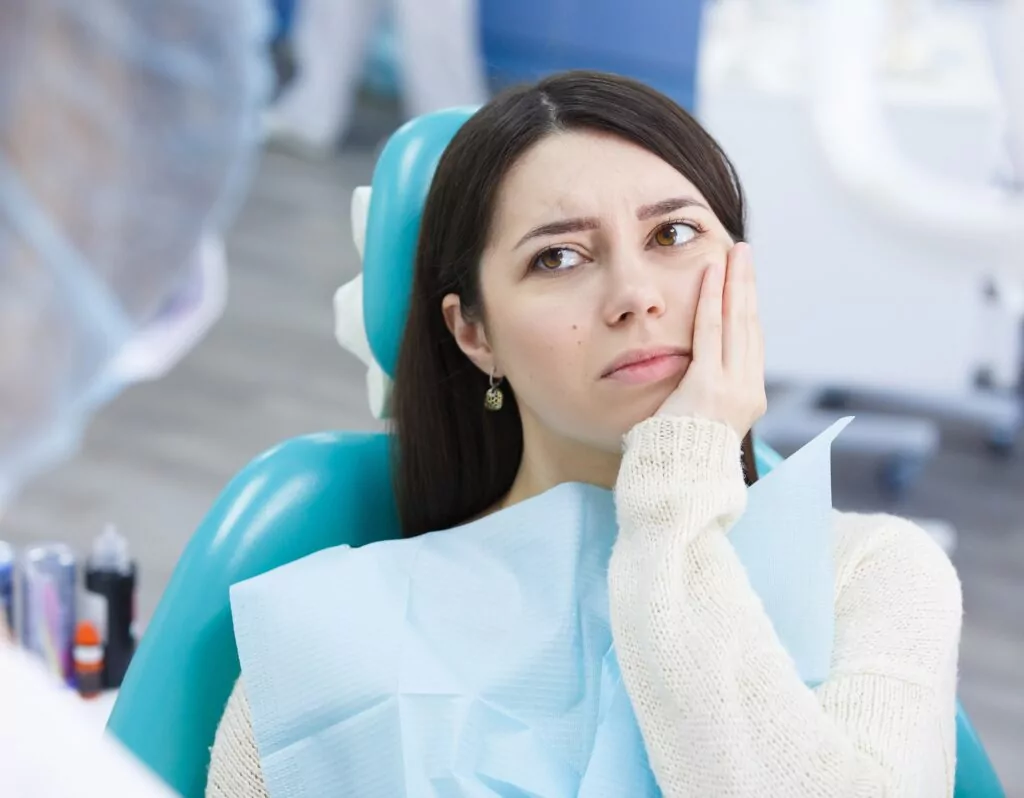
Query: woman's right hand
(725, 380)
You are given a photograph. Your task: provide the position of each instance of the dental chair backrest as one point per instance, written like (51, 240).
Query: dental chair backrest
(308, 494)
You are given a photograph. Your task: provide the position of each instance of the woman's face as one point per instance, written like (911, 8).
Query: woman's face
(595, 259)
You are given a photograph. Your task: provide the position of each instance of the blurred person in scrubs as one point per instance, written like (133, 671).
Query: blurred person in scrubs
(439, 63)
(127, 130)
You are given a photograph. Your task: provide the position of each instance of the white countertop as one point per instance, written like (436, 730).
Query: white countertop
(98, 709)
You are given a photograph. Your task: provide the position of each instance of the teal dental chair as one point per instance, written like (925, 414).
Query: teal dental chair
(308, 494)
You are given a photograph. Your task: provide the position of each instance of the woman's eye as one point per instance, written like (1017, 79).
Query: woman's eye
(557, 259)
(674, 235)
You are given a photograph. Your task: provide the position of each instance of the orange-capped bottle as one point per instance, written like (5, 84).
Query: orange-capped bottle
(88, 660)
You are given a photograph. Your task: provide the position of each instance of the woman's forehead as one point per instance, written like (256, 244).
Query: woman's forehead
(583, 174)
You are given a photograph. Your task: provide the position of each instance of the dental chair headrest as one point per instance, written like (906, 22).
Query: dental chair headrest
(401, 181)
(370, 310)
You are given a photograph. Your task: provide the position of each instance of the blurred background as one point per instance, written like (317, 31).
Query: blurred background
(881, 145)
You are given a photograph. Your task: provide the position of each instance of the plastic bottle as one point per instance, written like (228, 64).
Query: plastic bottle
(110, 580)
(88, 660)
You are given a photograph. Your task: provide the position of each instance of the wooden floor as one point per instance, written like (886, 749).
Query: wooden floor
(155, 459)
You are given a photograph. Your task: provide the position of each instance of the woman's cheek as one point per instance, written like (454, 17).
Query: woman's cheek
(710, 250)
(544, 354)
(708, 253)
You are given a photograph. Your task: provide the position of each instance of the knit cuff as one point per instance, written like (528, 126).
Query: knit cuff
(685, 449)
(680, 472)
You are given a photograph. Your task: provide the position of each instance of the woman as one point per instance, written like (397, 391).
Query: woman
(581, 271)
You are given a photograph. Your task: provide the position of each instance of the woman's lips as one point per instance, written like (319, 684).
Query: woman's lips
(653, 368)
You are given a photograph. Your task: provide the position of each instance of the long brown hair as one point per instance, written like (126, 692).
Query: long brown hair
(453, 459)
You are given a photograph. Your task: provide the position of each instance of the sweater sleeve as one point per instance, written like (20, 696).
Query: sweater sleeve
(721, 706)
(235, 761)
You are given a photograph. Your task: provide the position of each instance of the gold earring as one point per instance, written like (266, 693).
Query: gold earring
(494, 398)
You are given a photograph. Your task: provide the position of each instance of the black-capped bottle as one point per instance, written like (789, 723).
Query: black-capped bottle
(110, 584)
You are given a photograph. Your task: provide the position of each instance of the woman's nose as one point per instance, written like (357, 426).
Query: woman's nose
(633, 292)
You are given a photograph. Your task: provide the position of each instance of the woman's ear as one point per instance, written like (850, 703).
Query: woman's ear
(469, 335)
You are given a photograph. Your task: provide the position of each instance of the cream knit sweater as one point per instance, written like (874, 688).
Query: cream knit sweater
(722, 709)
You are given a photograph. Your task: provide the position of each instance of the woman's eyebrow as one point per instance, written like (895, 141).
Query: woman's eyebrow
(645, 212)
(560, 228)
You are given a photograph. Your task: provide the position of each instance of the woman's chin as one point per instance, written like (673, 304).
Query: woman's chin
(640, 409)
